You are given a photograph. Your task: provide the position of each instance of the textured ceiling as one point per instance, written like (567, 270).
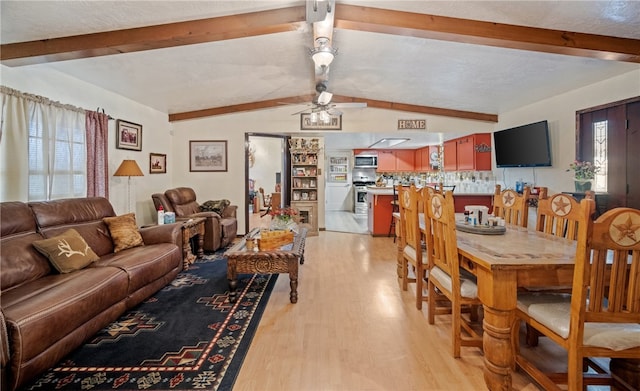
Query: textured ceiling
(385, 67)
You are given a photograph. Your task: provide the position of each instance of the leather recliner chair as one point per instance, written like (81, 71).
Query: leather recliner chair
(219, 229)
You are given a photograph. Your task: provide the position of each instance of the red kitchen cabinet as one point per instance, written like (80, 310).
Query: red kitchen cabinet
(386, 160)
(393, 160)
(471, 152)
(450, 155)
(474, 152)
(405, 159)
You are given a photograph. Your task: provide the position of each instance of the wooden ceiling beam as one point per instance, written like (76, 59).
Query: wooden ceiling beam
(476, 32)
(304, 99)
(153, 37)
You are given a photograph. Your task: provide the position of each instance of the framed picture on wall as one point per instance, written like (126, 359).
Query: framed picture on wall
(157, 163)
(208, 155)
(128, 135)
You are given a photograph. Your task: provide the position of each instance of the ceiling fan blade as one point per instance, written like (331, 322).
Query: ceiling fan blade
(301, 111)
(333, 111)
(351, 105)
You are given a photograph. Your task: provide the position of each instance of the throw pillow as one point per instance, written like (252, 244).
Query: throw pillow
(124, 231)
(67, 252)
(215, 206)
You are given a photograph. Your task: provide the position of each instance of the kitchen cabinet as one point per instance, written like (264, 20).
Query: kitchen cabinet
(474, 152)
(471, 152)
(390, 160)
(426, 159)
(380, 212)
(450, 155)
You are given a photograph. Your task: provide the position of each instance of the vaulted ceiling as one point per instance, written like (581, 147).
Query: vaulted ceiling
(469, 59)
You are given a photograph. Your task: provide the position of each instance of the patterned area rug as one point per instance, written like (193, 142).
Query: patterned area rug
(185, 337)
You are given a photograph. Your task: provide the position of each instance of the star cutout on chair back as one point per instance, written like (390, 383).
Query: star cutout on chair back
(508, 198)
(624, 229)
(561, 205)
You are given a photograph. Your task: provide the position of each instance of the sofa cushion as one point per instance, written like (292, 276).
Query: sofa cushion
(82, 214)
(124, 232)
(45, 311)
(217, 206)
(183, 200)
(67, 252)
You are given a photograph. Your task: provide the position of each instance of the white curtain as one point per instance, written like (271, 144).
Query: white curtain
(42, 147)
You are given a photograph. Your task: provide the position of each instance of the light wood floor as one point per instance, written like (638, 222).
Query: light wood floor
(353, 328)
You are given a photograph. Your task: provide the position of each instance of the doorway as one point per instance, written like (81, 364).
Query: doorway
(267, 168)
(609, 136)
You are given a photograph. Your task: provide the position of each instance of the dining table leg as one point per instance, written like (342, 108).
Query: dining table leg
(498, 293)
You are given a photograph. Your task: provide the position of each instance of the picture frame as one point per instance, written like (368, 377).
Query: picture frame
(128, 135)
(335, 122)
(208, 155)
(299, 172)
(157, 163)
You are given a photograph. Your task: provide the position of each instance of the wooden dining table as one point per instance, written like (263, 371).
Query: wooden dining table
(502, 264)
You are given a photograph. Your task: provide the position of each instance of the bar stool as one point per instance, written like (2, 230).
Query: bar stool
(395, 208)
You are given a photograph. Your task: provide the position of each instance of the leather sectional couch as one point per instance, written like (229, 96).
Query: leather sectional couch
(220, 228)
(45, 314)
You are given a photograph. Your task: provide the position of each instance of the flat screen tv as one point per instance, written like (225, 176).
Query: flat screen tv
(523, 146)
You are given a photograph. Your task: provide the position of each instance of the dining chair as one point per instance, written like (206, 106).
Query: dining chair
(602, 317)
(446, 278)
(395, 208)
(411, 241)
(558, 215)
(511, 206)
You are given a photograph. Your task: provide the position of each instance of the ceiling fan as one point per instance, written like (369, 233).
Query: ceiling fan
(323, 104)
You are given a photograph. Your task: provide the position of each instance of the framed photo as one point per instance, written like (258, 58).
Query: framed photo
(128, 135)
(208, 155)
(299, 172)
(334, 123)
(157, 163)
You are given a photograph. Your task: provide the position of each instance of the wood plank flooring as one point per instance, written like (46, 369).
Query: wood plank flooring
(354, 329)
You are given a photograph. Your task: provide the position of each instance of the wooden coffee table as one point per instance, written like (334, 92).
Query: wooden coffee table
(242, 260)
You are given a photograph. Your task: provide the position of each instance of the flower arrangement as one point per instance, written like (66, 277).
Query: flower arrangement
(583, 170)
(286, 213)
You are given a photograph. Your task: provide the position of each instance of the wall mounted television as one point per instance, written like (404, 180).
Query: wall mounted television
(523, 146)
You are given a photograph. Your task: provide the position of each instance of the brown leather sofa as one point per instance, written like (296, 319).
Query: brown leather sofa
(219, 229)
(46, 314)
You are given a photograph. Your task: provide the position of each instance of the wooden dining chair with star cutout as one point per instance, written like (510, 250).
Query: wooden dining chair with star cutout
(511, 206)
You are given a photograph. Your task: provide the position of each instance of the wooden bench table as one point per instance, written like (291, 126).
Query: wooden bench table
(240, 259)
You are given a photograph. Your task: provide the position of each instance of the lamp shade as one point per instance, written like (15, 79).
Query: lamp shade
(128, 168)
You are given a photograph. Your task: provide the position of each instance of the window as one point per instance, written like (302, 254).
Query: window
(57, 155)
(600, 143)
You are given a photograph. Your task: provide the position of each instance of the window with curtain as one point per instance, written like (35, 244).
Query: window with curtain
(53, 135)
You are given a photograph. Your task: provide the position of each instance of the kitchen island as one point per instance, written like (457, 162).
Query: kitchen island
(380, 209)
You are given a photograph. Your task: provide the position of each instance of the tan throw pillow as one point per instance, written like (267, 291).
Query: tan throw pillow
(67, 252)
(124, 232)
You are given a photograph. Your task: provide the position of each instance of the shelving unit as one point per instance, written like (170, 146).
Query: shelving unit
(338, 169)
(304, 180)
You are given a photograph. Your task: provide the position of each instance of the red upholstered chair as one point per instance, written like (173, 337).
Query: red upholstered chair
(220, 228)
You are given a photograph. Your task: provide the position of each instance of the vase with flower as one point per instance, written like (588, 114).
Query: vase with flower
(284, 219)
(583, 174)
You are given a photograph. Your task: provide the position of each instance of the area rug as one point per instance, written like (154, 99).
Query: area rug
(187, 336)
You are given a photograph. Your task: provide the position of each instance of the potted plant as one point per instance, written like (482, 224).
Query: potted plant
(583, 174)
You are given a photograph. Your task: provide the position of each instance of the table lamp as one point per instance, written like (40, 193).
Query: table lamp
(128, 168)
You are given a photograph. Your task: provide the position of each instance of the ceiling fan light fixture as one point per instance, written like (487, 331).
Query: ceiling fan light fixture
(323, 54)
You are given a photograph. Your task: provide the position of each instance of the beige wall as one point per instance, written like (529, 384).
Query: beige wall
(160, 136)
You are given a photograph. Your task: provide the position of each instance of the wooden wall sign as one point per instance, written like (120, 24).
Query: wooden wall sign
(412, 124)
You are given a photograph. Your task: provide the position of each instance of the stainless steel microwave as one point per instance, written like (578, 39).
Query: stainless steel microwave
(365, 161)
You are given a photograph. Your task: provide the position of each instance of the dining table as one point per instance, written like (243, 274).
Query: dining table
(503, 263)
